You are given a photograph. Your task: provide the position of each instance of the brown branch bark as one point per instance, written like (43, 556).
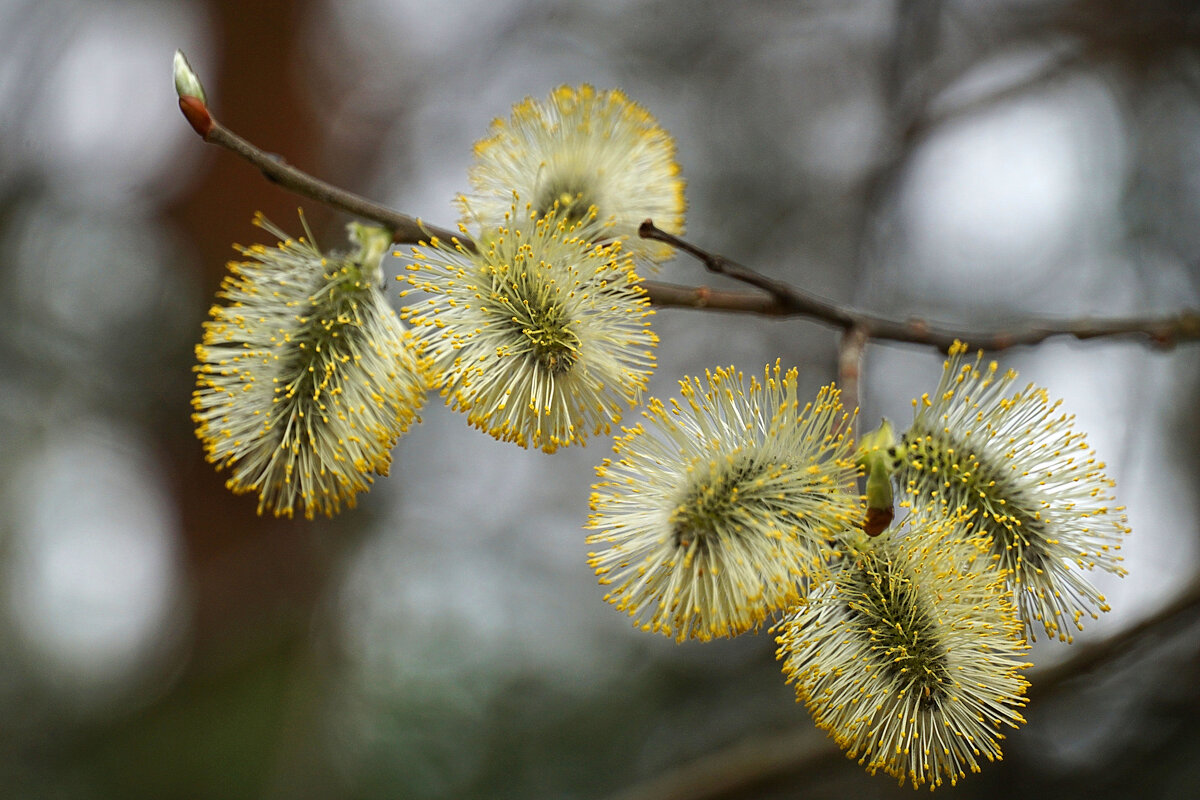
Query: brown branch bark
(779, 299)
(405, 229)
(851, 351)
(770, 298)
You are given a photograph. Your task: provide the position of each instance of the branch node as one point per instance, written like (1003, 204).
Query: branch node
(1163, 338)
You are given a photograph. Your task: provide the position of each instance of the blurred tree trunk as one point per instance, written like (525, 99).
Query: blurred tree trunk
(253, 579)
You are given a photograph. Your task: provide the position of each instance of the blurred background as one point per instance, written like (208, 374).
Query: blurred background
(971, 161)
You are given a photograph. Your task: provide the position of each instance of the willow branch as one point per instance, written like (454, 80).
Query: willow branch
(405, 229)
(769, 298)
(850, 361)
(779, 299)
(729, 772)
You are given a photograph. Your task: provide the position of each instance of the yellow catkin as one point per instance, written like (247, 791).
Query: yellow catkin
(1010, 462)
(715, 511)
(539, 337)
(305, 377)
(595, 156)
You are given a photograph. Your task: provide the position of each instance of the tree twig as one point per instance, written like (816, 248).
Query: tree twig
(405, 229)
(851, 349)
(784, 300)
(772, 298)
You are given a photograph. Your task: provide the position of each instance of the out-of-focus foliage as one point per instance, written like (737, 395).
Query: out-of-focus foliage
(970, 161)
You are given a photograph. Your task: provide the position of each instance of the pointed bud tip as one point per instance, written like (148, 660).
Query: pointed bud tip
(186, 82)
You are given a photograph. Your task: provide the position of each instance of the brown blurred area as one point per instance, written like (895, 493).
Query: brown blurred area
(160, 639)
(251, 573)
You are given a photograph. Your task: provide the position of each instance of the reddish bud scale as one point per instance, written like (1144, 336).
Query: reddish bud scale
(197, 115)
(878, 520)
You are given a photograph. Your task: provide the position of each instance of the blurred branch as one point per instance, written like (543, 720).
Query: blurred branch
(1097, 654)
(739, 768)
(1052, 70)
(726, 773)
(774, 298)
